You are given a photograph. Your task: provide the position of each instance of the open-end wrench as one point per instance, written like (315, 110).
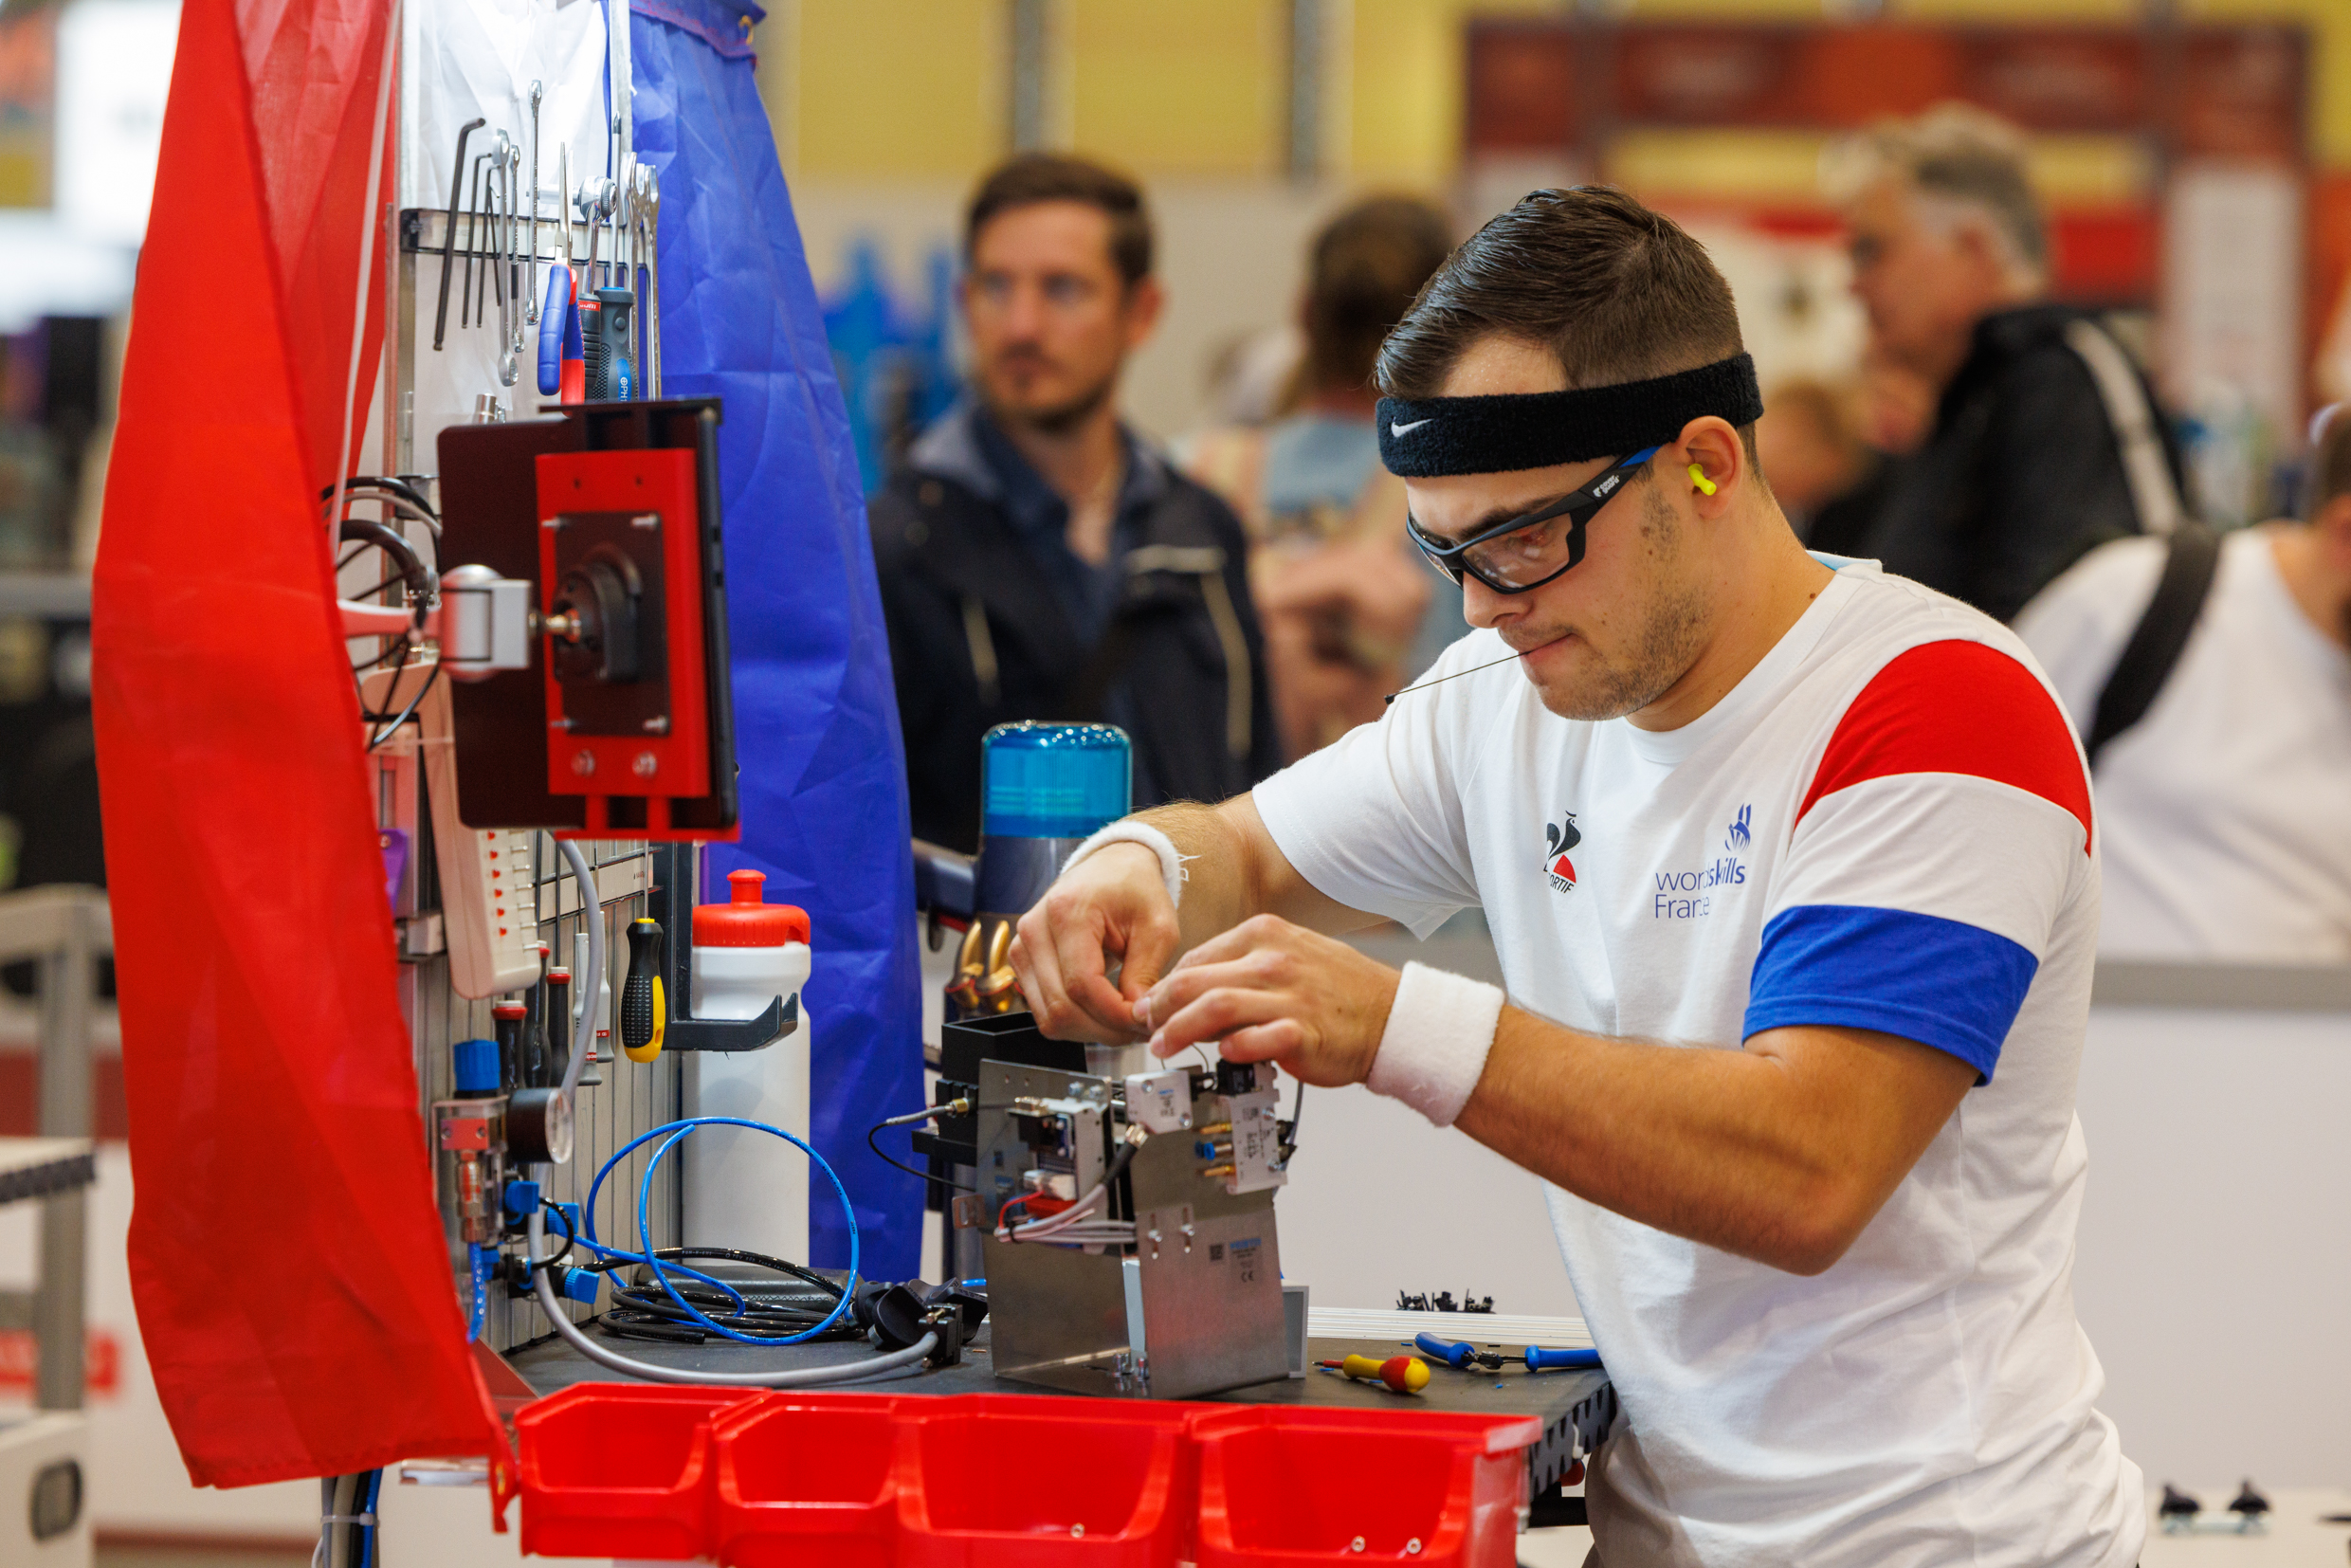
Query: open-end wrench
(493, 249)
(473, 237)
(448, 234)
(530, 298)
(649, 216)
(486, 243)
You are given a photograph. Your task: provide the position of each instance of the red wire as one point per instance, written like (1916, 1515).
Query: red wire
(1034, 1203)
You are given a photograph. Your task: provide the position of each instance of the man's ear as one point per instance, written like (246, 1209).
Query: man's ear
(1145, 299)
(1710, 450)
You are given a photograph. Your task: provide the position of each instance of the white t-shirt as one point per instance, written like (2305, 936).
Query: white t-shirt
(1885, 825)
(2222, 809)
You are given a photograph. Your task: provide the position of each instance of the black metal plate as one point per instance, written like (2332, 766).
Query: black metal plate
(489, 514)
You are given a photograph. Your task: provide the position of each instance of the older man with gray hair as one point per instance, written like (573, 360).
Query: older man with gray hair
(2046, 443)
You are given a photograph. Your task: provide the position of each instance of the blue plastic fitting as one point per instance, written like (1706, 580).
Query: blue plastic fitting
(580, 1285)
(521, 1198)
(474, 1066)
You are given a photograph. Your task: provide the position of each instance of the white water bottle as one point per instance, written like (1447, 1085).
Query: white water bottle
(743, 1189)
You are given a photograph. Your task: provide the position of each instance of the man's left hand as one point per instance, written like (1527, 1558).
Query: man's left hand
(1270, 990)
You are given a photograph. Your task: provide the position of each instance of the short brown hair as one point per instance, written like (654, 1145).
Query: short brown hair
(1616, 291)
(1035, 177)
(1363, 273)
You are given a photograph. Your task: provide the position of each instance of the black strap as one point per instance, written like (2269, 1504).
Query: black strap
(2190, 562)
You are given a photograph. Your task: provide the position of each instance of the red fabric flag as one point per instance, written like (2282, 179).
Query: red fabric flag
(293, 1288)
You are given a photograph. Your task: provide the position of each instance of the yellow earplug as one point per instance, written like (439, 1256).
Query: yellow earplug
(1698, 477)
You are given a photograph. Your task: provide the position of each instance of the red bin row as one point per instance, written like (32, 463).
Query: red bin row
(977, 1481)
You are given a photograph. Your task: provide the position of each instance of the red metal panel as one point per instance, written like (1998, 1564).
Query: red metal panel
(1522, 87)
(659, 481)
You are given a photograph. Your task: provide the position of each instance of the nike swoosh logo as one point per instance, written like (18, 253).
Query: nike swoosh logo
(1396, 429)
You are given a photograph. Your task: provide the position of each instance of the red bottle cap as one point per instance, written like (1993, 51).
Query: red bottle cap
(747, 922)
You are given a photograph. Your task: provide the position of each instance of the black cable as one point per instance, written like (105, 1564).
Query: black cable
(943, 1181)
(727, 1254)
(647, 1311)
(367, 531)
(552, 1259)
(394, 728)
(379, 481)
(402, 647)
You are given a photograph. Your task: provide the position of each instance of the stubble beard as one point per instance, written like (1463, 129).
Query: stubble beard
(1672, 630)
(1060, 418)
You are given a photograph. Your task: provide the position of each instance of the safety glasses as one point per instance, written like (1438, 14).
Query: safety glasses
(1525, 553)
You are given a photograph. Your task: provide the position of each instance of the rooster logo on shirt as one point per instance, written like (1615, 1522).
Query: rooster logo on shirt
(1558, 838)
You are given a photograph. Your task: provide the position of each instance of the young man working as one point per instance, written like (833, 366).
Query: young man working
(1730, 801)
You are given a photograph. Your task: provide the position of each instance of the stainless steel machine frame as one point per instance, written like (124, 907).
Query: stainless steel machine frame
(1191, 1306)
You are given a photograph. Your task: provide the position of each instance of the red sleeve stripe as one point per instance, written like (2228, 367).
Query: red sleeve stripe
(1956, 707)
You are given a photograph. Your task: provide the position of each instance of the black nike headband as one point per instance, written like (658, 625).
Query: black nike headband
(1424, 437)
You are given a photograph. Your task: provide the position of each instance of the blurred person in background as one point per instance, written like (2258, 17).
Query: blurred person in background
(1809, 443)
(1832, 451)
(1037, 558)
(2218, 806)
(2045, 443)
(1348, 614)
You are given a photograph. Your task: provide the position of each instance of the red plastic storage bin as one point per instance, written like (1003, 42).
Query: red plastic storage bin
(806, 1478)
(1287, 1486)
(618, 1470)
(1009, 1481)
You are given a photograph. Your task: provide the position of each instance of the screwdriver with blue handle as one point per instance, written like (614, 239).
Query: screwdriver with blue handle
(1538, 1359)
(643, 1008)
(1458, 1354)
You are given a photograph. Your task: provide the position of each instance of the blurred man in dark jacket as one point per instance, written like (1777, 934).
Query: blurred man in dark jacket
(1040, 562)
(2045, 443)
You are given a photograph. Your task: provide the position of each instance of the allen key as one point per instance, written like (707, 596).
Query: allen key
(448, 232)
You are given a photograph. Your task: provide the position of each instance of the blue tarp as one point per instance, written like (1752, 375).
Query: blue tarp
(824, 794)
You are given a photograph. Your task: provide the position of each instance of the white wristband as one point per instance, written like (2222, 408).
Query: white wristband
(1130, 831)
(1440, 1028)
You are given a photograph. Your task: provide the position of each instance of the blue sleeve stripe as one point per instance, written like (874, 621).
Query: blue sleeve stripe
(1944, 983)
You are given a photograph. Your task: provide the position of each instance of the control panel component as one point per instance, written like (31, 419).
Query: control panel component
(1161, 1102)
(1247, 1149)
(470, 1147)
(489, 890)
(1120, 1258)
(623, 726)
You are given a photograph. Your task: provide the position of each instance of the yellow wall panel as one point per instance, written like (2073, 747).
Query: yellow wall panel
(1784, 165)
(891, 88)
(1176, 87)
(897, 88)
(1406, 67)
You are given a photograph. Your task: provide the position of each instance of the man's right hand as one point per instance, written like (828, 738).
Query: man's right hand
(1112, 906)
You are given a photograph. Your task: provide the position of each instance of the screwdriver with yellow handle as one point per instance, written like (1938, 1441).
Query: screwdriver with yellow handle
(644, 1005)
(1404, 1373)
